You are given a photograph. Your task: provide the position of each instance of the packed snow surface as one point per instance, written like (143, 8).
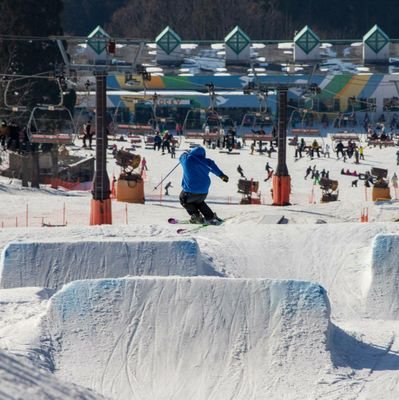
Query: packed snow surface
(252, 309)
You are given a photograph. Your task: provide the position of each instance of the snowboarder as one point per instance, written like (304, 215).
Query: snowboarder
(167, 187)
(196, 183)
(308, 171)
(269, 171)
(240, 171)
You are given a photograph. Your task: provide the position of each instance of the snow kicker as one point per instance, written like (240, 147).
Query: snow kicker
(382, 277)
(190, 338)
(50, 264)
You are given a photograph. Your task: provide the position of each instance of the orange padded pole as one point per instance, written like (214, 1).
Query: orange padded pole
(281, 190)
(101, 212)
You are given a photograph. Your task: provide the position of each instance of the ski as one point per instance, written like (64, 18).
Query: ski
(178, 221)
(189, 230)
(193, 227)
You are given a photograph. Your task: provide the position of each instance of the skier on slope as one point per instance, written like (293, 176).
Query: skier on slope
(196, 183)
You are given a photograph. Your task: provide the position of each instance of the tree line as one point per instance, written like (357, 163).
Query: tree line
(213, 19)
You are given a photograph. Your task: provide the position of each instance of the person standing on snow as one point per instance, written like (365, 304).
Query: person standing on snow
(167, 187)
(196, 183)
(394, 180)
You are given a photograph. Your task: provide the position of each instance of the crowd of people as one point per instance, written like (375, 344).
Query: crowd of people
(13, 137)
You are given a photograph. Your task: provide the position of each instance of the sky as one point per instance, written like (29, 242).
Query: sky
(251, 309)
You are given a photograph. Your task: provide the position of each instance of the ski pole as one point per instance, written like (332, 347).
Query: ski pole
(160, 183)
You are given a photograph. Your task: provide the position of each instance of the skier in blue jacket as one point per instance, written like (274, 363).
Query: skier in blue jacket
(195, 185)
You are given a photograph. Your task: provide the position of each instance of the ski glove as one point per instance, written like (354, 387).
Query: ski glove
(224, 178)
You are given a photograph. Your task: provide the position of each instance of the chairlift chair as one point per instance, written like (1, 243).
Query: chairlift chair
(213, 121)
(51, 124)
(194, 120)
(342, 118)
(254, 121)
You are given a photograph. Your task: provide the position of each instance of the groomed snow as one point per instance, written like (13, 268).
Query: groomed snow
(303, 310)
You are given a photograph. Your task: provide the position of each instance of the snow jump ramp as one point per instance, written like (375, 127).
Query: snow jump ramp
(198, 338)
(382, 278)
(52, 264)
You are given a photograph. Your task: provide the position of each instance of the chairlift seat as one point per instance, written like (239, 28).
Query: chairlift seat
(262, 138)
(51, 124)
(305, 131)
(57, 138)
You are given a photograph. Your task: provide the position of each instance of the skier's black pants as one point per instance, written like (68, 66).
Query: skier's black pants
(194, 203)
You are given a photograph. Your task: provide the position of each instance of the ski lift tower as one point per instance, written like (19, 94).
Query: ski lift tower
(281, 178)
(101, 47)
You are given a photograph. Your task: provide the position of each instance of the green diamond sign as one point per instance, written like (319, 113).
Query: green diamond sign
(168, 40)
(377, 40)
(307, 41)
(237, 40)
(98, 40)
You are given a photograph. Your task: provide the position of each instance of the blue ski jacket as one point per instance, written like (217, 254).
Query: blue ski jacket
(196, 169)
